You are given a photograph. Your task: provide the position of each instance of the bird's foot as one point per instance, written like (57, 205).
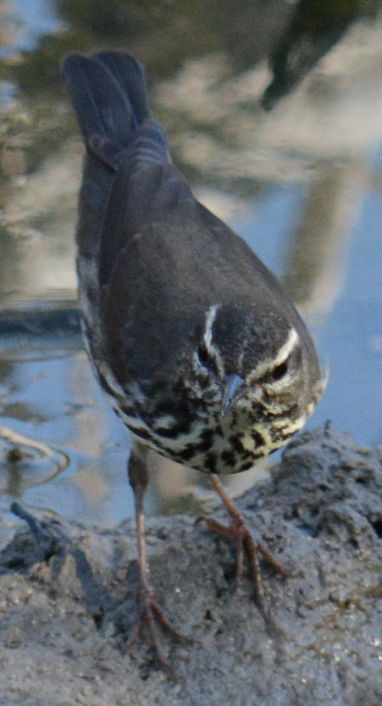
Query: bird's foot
(151, 617)
(238, 532)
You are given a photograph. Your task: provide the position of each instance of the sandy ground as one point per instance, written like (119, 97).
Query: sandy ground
(67, 599)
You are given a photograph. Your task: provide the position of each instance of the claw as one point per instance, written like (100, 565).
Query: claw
(151, 616)
(238, 532)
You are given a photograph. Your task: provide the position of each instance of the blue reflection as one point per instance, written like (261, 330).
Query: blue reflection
(31, 19)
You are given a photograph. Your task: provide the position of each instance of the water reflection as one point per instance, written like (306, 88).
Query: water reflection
(26, 462)
(301, 183)
(316, 254)
(315, 26)
(23, 23)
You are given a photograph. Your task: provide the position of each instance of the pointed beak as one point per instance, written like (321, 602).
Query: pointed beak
(232, 390)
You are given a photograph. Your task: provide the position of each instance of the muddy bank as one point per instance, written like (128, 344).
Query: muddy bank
(67, 599)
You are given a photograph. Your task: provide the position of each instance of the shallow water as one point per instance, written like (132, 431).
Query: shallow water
(301, 183)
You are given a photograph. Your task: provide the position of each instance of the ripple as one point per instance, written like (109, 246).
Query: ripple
(25, 462)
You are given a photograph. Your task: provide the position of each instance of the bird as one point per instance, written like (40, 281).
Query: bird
(197, 347)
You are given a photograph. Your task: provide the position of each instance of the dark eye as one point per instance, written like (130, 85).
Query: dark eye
(203, 355)
(279, 371)
(206, 359)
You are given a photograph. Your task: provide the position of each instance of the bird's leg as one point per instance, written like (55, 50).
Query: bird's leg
(239, 533)
(149, 613)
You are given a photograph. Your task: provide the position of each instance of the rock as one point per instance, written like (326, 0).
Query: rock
(69, 610)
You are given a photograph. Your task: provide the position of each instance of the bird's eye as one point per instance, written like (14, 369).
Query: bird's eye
(206, 359)
(279, 371)
(203, 355)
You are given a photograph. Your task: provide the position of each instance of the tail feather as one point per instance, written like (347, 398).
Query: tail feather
(130, 78)
(109, 96)
(126, 157)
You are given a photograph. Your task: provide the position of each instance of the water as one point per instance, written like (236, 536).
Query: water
(302, 184)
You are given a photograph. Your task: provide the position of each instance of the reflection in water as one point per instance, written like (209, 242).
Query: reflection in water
(207, 64)
(26, 462)
(314, 28)
(316, 257)
(38, 219)
(92, 436)
(10, 29)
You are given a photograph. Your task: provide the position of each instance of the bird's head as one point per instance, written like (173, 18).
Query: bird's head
(258, 363)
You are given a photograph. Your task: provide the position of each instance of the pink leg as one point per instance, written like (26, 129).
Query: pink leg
(239, 533)
(149, 613)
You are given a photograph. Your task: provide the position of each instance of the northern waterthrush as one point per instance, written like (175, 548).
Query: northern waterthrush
(197, 347)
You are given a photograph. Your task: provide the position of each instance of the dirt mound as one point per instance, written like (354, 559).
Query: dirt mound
(67, 599)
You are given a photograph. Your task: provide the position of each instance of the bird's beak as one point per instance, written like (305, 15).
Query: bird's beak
(232, 390)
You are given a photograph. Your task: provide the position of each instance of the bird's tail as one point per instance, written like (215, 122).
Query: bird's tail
(108, 91)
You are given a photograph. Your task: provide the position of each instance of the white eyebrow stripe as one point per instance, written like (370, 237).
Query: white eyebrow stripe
(284, 352)
(210, 318)
(212, 350)
(288, 347)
